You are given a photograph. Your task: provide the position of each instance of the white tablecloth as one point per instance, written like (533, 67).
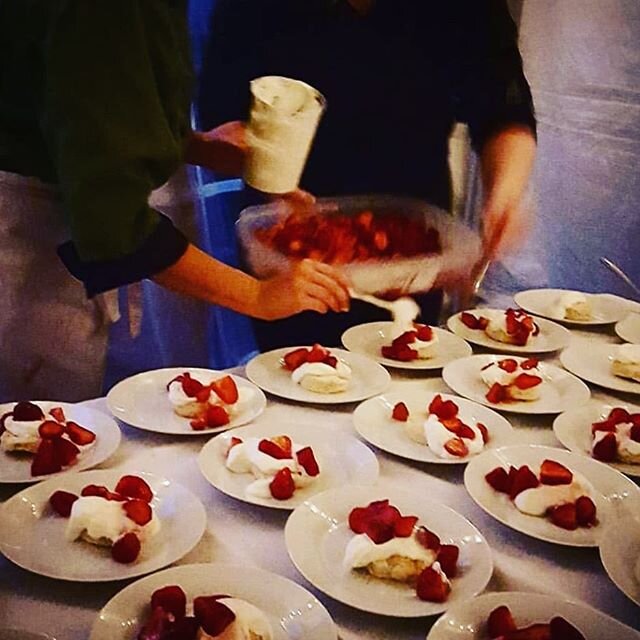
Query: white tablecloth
(253, 536)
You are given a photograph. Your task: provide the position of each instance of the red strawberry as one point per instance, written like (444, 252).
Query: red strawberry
(134, 487)
(606, 449)
(159, 625)
(57, 414)
(425, 333)
(234, 442)
(183, 629)
(403, 527)
(403, 354)
(216, 416)
(295, 359)
(484, 431)
(431, 587)
(524, 479)
(538, 631)
(456, 447)
(213, 616)
(45, 460)
(552, 472)
(332, 361)
(97, 490)
(226, 389)
(634, 433)
(469, 320)
(172, 599)
(308, 461)
(274, 450)
(80, 435)
(530, 363)
(139, 511)
(65, 452)
(453, 424)
(282, 485)
(27, 412)
(635, 418)
(509, 365)
(404, 339)
(605, 425)
(284, 442)
(357, 519)
(378, 530)
(511, 321)
(500, 622)
(199, 424)
(61, 502)
(448, 559)
(317, 354)
(618, 415)
(563, 630)
(444, 409)
(50, 429)
(526, 381)
(190, 386)
(499, 480)
(428, 539)
(564, 515)
(497, 393)
(466, 432)
(203, 394)
(585, 511)
(400, 412)
(483, 323)
(126, 549)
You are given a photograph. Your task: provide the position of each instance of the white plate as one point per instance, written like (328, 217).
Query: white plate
(468, 620)
(373, 421)
(629, 328)
(16, 467)
(610, 487)
(294, 613)
(559, 391)
(342, 460)
(368, 339)
(552, 336)
(317, 533)
(573, 429)
(32, 536)
(620, 552)
(542, 302)
(142, 401)
(368, 378)
(594, 365)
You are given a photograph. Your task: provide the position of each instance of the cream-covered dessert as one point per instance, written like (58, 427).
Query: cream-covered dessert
(511, 379)
(250, 623)
(502, 626)
(573, 305)
(536, 501)
(617, 438)
(279, 465)
(512, 326)
(315, 369)
(626, 362)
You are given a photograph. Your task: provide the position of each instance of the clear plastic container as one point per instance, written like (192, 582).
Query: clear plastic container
(405, 246)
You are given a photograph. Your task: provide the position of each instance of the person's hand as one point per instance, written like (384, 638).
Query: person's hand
(222, 149)
(506, 222)
(309, 286)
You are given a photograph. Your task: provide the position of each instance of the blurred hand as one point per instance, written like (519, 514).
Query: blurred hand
(507, 221)
(309, 286)
(222, 149)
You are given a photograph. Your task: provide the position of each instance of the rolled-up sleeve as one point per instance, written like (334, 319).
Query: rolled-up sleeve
(111, 139)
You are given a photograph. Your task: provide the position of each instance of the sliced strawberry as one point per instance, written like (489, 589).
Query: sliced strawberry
(357, 519)
(404, 339)
(190, 386)
(58, 414)
(448, 559)
(456, 447)
(509, 365)
(203, 394)
(126, 549)
(635, 419)
(428, 539)
(61, 502)
(282, 486)
(158, 626)
(564, 515)
(484, 431)
(378, 530)
(50, 429)
(431, 587)
(271, 448)
(553, 473)
(511, 321)
(80, 435)
(199, 424)
(96, 490)
(606, 449)
(634, 433)
(403, 527)
(134, 487)
(226, 389)
(498, 478)
(453, 424)
(469, 320)
(446, 410)
(172, 599)
(27, 412)
(527, 381)
(216, 416)
(295, 358)
(400, 412)
(318, 353)
(586, 511)
(497, 393)
(530, 363)
(435, 404)
(524, 479)
(332, 361)
(605, 425)
(139, 511)
(562, 630)
(65, 452)
(500, 622)
(284, 442)
(466, 431)
(212, 615)
(45, 460)
(425, 333)
(538, 631)
(618, 415)
(234, 442)
(186, 628)
(403, 354)
(483, 323)
(308, 461)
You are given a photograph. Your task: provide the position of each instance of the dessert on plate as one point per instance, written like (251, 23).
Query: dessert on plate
(509, 379)
(217, 616)
(502, 626)
(512, 326)
(122, 519)
(626, 362)
(555, 492)
(573, 305)
(279, 465)
(390, 546)
(55, 441)
(617, 437)
(443, 431)
(412, 342)
(316, 369)
(210, 404)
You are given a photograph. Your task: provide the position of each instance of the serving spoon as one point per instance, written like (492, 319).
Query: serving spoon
(620, 273)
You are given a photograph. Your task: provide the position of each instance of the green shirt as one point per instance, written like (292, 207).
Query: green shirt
(95, 96)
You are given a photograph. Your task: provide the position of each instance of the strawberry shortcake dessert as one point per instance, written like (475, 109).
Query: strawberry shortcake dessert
(54, 441)
(617, 438)
(390, 546)
(279, 465)
(219, 617)
(502, 626)
(626, 362)
(317, 370)
(122, 519)
(510, 379)
(417, 342)
(573, 305)
(564, 497)
(512, 326)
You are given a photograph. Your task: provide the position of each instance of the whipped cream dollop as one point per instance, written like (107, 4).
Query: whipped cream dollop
(339, 374)
(250, 622)
(495, 374)
(573, 305)
(20, 434)
(536, 501)
(437, 435)
(178, 398)
(362, 551)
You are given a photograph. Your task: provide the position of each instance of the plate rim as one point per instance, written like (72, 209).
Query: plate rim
(618, 326)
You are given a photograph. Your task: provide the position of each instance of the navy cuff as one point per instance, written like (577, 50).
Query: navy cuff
(164, 247)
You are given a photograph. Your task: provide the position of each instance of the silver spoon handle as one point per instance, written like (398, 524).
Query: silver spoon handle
(620, 273)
